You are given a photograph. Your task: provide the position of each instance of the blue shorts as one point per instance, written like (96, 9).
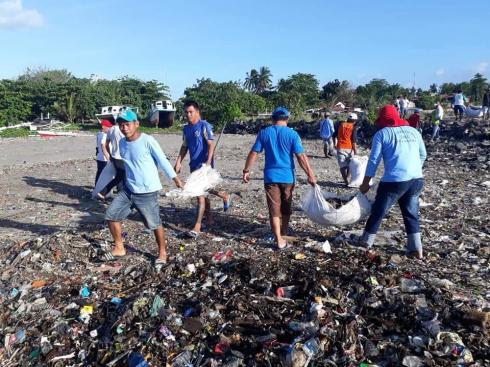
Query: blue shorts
(146, 204)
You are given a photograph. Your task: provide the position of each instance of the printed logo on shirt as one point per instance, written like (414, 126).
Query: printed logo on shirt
(197, 133)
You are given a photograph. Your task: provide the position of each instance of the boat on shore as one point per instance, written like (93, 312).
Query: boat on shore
(110, 112)
(162, 114)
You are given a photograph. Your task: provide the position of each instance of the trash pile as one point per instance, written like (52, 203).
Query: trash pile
(233, 302)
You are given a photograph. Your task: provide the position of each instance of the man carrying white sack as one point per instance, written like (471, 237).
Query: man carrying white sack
(199, 141)
(403, 153)
(280, 144)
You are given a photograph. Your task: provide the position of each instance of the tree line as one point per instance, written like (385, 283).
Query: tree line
(73, 99)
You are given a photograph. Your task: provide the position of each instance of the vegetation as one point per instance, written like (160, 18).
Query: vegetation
(73, 99)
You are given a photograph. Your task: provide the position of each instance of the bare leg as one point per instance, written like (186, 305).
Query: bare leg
(115, 229)
(221, 194)
(285, 224)
(160, 237)
(345, 174)
(201, 208)
(208, 212)
(276, 230)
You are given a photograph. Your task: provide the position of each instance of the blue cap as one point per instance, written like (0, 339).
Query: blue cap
(280, 112)
(127, 115)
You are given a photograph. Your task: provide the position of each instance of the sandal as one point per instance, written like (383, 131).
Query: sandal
(286, 246)
(159, 264)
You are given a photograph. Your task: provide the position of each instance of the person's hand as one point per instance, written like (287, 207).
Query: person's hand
(312, 180)
(246, 177)
(177, 167)
(178, 182)
(364, 187)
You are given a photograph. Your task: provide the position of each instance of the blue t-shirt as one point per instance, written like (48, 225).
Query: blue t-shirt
(280, 144)
(403, 153)
(141, 159)
(326, 128)
(195, 138)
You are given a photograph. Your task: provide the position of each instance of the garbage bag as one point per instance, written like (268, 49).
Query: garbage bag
(471, 111)
(198, 183)
(320, 211)
(106, 176)
(357, 168)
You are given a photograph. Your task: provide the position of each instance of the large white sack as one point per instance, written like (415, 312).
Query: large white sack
(357, 168)
(106, 176)
(320, 211)
(198, 183)
(473, 111)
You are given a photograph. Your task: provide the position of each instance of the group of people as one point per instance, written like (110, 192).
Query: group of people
(396, 143)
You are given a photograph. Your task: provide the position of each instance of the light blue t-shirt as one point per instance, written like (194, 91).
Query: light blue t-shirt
(403, 153)
(326, 128)
(280, 144)
(196, 138)
(141, 159)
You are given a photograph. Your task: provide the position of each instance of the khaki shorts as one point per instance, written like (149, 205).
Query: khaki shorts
(279, 198)
(343, 157)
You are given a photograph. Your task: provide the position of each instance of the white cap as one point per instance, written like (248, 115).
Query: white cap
(352, 116)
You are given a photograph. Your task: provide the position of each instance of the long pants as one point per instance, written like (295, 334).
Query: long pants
(406, 193)
(100, 167)
(119, 179)
(328, 148)
(435, 132)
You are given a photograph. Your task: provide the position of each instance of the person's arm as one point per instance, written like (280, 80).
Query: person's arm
(373, 162)
(105, 149)
(422, 151)
(335, 133)
(107, 143)
(210, 151)
(252, 156)
(354, 139)
(181, 156)
(163, 163)
(304, 163)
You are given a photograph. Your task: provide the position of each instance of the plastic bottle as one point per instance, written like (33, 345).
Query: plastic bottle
(286, 292)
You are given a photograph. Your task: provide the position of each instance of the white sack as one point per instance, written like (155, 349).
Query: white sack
(106, 176)
(198, 183)
(357, 168)
(473, 111)
(320, 211)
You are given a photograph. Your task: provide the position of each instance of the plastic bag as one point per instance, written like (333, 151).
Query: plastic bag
(198, 183)
(357, 168)
(106, 176)
(320, 211)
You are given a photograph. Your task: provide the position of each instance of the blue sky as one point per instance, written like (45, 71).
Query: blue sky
(178, 42)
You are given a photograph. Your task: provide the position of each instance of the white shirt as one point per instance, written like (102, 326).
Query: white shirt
(114, 135)
(440, 112)
(403, 103)
(459, 99)
(101, 138)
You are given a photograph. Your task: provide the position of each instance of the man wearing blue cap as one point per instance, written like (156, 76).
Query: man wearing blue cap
(142, 156)
(280, 144)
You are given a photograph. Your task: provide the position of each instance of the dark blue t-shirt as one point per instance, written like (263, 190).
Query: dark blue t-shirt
(196, 139)
(280, 144)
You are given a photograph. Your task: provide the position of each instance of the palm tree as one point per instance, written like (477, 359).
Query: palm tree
(251, 81)
(264, 81)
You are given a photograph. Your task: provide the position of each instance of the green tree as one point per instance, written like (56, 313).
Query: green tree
(477, 87)
(251, 80)
(302, 86)
(264, 81)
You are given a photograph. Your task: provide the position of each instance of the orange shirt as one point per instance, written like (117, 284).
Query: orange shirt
(345, 135)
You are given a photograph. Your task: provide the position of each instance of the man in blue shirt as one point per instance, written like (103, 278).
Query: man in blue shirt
(280, 144)
(142, 156)
(326, 132)
(199, 141)
(403, 153)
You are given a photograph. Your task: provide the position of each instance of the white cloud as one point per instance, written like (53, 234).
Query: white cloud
(482, 67)
(13, 15)
(440, 72)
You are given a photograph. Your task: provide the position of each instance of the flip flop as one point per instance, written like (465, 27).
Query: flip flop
(286, 246)
(105, 257)
(159, 264)
(228, 203)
